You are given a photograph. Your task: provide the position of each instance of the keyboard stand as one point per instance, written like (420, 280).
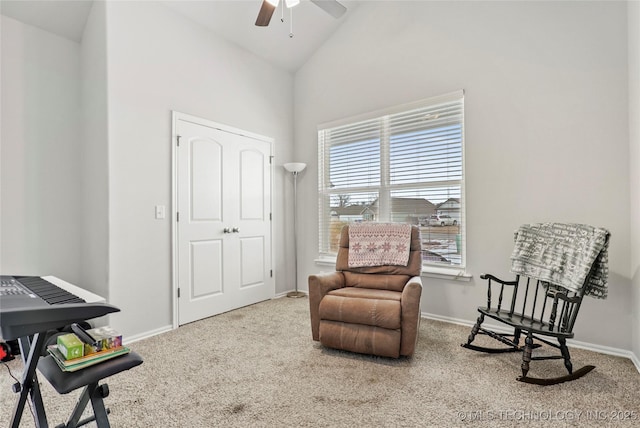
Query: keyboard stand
(30, 351)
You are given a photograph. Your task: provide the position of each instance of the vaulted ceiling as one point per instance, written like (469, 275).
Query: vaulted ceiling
(233, 20)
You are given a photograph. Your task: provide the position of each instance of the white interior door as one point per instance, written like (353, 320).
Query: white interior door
(223, 251)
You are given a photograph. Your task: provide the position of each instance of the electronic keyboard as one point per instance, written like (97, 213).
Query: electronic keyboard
(32, 304)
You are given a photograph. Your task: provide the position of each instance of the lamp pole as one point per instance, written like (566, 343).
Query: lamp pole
(295, 168)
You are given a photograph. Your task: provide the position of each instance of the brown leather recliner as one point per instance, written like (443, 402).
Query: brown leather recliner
(369, 310)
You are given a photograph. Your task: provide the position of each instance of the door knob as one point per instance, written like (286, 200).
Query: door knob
(226, 230)
(236, 230)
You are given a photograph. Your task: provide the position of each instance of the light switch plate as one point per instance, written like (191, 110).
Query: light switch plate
(160, 212)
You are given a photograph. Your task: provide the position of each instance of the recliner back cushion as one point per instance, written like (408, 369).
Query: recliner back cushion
(413, 268)
(377, 281)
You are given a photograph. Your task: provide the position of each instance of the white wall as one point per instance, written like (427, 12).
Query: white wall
(546, 126)
(94, 261)
(40, 152)
(634, 138)
(157, 61)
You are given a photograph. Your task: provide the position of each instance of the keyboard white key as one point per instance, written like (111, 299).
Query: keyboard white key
(88, 296)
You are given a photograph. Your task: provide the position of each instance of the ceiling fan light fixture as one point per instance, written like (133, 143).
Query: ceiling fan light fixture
(332, 7)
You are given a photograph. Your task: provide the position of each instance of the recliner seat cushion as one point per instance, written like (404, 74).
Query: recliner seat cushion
(383, 312)
(366, 293)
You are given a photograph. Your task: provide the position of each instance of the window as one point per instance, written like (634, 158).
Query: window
(401, 165)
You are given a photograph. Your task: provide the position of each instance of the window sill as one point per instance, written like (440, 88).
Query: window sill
(325, 261)
(428, 271)
(446, 273)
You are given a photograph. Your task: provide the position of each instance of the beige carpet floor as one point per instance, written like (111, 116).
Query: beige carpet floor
(258, 367)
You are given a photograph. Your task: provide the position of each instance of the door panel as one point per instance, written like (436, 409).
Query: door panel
(206, 179)
(223, 239)
(251, 185)
(252, 261)
(206, 268)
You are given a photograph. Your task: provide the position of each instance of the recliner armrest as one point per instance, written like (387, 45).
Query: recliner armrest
(410, 305)
(412, 288)
(319, 286)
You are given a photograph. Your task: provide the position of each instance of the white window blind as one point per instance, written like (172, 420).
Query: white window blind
(404, 165)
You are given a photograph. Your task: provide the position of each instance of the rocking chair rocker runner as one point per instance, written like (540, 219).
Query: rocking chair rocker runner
(537, 306)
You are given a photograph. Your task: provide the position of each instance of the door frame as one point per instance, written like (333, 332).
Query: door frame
(175, 117)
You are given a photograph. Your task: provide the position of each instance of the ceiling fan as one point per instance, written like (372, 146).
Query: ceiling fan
(332, 7)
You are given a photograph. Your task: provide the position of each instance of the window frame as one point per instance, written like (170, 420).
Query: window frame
(385, 188)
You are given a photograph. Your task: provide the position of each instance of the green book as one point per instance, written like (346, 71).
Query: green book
(70, 346)
(86, 361)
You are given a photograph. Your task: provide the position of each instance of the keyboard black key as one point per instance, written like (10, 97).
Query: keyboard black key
(50, 293)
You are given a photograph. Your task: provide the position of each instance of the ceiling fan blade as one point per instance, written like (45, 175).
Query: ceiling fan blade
(264, 16)
(332, 7)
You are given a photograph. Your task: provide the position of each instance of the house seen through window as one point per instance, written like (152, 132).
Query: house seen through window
(404, 165)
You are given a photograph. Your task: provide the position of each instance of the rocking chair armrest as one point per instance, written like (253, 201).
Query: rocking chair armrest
(498, 280)
(502, 283)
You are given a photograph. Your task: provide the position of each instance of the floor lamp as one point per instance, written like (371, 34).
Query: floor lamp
(295, 168)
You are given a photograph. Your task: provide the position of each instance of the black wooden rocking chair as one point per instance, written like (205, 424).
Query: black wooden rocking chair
(537, 308)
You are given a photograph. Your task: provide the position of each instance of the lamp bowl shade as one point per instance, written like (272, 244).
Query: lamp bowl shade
(295, 166)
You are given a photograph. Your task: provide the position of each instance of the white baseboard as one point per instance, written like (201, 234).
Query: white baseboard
(636, 361)
(148, 334)
(280, 295)
(608, 350)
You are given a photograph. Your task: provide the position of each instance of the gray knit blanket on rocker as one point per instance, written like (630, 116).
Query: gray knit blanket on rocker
(563, 254)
